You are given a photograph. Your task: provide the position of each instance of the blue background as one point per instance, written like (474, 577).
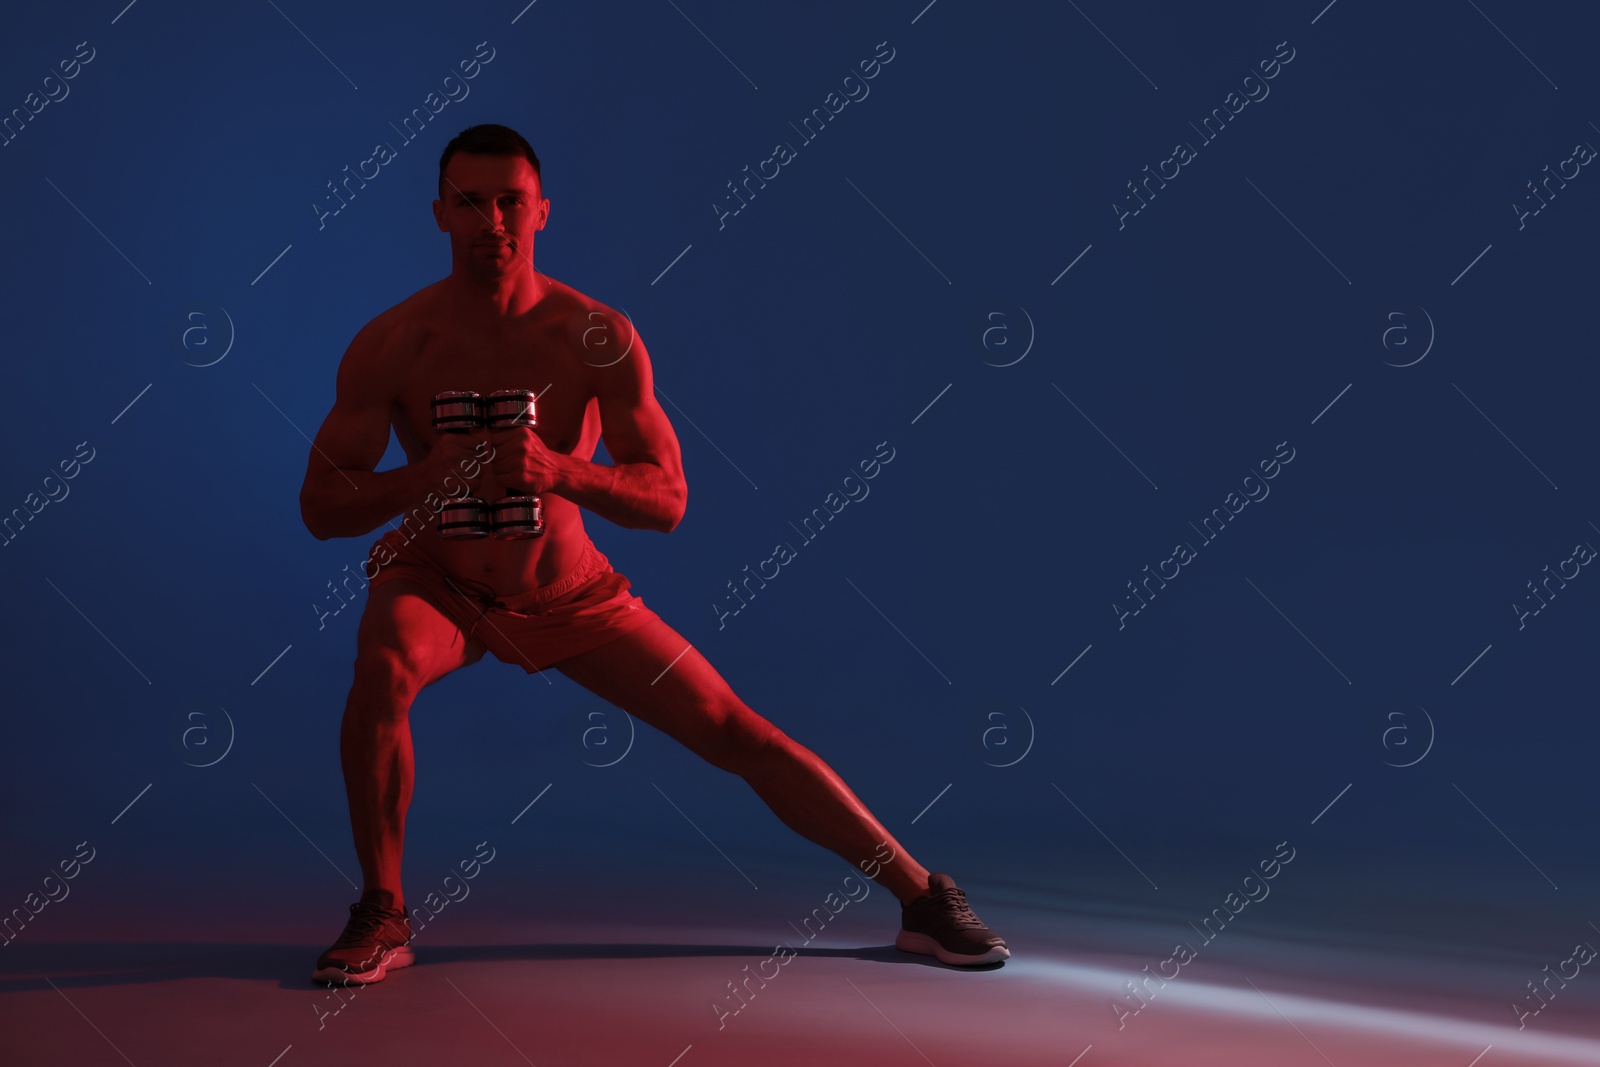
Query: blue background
(797, 336)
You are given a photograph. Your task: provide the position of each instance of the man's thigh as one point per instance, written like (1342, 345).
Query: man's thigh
(403, 629)
(654, 674)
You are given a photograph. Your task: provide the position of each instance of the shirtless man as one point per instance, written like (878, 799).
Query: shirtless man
(437, 604)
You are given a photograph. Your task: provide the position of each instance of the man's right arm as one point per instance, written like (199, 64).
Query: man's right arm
(343, 496)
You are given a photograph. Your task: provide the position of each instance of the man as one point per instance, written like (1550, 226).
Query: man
(437, 604)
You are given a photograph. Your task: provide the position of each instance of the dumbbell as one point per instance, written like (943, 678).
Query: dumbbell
(516, 515)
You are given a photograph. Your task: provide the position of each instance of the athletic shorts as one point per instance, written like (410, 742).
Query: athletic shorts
(585, 608)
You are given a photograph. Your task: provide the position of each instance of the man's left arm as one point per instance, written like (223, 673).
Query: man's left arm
(644, 489)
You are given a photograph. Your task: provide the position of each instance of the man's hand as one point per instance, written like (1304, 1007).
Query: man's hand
(521, 461)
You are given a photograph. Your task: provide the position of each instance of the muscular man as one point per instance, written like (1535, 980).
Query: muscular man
(437, 604)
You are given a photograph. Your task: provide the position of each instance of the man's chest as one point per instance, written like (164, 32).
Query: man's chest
(452, 360)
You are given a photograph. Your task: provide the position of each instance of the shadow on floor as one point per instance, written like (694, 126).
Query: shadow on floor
(78, 964)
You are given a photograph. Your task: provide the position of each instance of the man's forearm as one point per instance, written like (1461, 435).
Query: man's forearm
(350, 503)
(639, 496)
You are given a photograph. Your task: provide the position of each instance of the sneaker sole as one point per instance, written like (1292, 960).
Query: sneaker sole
(924, 945)
(393, 960)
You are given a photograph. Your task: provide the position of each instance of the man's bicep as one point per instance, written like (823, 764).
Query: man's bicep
(644, 436)
(633, 425)
(355, 434)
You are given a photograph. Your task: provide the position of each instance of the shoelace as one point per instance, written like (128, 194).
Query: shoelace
(365, 921)
(954, 901)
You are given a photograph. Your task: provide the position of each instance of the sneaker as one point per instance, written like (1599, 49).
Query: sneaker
(942, 924)
(375, 940)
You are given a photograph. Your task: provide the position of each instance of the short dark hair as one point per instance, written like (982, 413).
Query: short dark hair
(489, 139)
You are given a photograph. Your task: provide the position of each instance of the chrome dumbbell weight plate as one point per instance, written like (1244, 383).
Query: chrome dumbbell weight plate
(465, 517)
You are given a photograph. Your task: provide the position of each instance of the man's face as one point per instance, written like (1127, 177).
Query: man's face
(491, 208)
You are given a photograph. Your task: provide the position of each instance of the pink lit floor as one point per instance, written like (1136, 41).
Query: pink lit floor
(568, 983)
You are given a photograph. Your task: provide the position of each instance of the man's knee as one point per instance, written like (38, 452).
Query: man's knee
(386, 682)
(748, 745)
